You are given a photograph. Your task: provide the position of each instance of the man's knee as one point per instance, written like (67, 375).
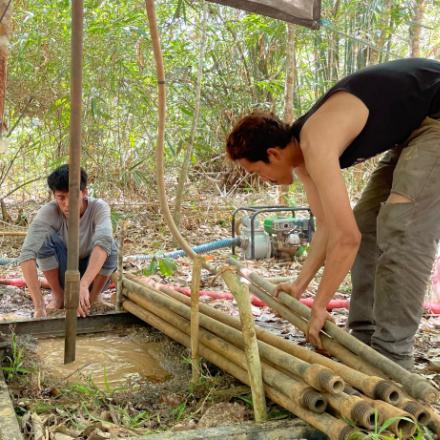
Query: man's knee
(111, 262)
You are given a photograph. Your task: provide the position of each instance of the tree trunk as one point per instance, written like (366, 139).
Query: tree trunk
(415, 30)
(386, 23)
(187, 160)
(289, 92)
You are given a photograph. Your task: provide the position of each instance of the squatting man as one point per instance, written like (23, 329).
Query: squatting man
(389, 240)
(45, 246)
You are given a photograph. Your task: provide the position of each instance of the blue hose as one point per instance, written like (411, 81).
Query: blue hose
(200, 249)
(4, 261)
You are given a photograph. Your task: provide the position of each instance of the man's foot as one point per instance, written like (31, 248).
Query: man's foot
(55, 303)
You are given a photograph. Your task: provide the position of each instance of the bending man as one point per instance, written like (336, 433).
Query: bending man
(46, 246)
(389, 240)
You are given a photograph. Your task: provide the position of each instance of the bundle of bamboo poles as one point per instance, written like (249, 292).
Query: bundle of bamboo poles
(313, 387)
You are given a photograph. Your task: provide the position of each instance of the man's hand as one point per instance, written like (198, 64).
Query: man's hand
(290, 288)
(84, 301)
(40, 311)
(317, 322)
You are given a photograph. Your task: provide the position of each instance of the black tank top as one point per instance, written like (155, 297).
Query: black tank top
(398, 94)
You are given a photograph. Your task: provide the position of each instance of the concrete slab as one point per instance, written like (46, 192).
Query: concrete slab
(279, 430)
(55, 326)
(9, 429)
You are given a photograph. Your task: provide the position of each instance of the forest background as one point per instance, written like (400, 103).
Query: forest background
(220, 63)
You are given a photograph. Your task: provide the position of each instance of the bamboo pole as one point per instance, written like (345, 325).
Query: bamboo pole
(329, 344)
(318, 377)
(372, 386)
(195, 297)
(122, 231)
(13, 233)
(72, 277)
(241, 295)
(334, 428)
(293, 388)
(415, 385)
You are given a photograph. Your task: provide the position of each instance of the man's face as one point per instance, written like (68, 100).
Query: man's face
(278, 171)
(62, 200)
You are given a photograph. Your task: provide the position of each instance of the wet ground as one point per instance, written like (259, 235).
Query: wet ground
(87, 402)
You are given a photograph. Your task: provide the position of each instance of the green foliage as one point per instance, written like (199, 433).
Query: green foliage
(163, 265)
(245, 67)
(13, 365)
(179, 411)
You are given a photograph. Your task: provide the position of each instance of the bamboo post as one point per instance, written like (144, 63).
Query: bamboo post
(195, 297)
(122, 231)
(13, 233)
(241, 295)
(72, 277)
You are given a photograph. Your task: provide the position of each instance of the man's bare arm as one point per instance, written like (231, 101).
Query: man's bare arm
(323, 139)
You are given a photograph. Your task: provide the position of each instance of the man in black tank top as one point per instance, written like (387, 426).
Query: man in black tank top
(389, 240)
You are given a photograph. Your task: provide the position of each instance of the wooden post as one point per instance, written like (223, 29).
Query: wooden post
(118, 301)
(241, 295)
(195, 327)
(72, 278)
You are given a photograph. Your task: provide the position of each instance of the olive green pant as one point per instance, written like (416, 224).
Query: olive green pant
(398, 246)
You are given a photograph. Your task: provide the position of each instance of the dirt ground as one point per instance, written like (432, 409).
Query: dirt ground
(84, 411)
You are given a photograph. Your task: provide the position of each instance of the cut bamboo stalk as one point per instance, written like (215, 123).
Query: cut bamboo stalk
(241, 295)
(415, 385)
(118, 301)
(334, 428)
(13, 233)
(195, 296)
(317, 376)
(372, 386)
(294, 389)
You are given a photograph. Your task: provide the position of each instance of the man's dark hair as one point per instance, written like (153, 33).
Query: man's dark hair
(58, 180)
(255, 133)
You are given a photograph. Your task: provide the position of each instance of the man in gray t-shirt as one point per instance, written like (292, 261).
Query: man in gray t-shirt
(46, 246)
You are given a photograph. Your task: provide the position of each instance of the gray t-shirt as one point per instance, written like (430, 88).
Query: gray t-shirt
(95, 229)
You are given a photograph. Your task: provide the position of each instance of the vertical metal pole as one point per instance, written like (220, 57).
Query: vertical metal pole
(71, 293)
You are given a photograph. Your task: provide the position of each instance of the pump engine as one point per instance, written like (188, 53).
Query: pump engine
(279, 237)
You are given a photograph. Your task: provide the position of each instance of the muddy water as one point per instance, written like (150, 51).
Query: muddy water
(109, 360)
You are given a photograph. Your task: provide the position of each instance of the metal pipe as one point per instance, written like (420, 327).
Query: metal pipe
(415, 385)
(372, 386)
(356, 409)
(72, 277)
(403, 425)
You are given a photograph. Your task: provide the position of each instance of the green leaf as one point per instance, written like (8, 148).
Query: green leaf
(167, 266)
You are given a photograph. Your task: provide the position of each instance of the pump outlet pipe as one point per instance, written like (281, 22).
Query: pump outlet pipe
(200, 249)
